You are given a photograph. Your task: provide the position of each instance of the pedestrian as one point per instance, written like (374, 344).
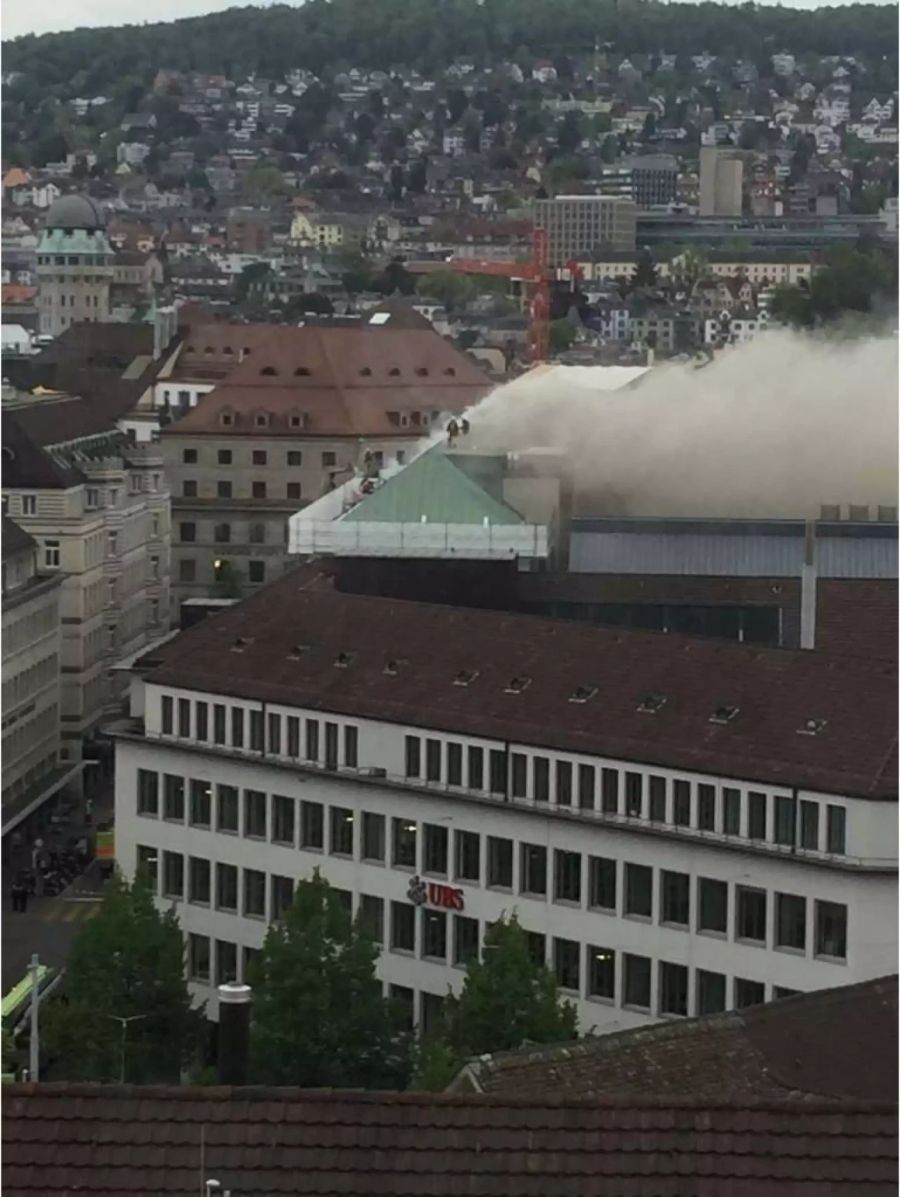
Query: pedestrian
(19, 896)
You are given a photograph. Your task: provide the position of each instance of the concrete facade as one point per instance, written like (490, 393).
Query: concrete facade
(580, 225)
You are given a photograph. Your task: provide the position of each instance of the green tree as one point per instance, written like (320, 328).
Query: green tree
(644, 271)
(127, 962)
(265, 182)
(562, 335)
(356, 270)
(853, 280)
(609, 150)
(453, 290)
(688, 269)
(320, 1018)
(252, 274)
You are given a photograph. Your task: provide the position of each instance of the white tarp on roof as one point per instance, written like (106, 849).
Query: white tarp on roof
(588, 378)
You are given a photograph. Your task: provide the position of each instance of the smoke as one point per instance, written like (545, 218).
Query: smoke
(773, 428)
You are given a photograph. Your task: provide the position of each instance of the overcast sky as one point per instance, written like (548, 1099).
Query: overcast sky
(20, 17)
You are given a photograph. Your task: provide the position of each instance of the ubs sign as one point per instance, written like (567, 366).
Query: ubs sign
(432, 893)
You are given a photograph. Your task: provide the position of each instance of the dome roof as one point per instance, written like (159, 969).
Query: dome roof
(74, 212)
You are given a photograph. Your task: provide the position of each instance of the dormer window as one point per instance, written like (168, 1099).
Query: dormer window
(228, 350)
(422, 371)
(450, 371)
(393, 417)
(465, 677)
(298, 651)
(261, 419)
(582, 694)
(297, 419)
(365, 372)
(394, 372)
(812, 727)
(723, 714)
(269, 371)
(516, 685)
(209, 349)
(302, 372)
(226, 419)
(651, 704)
(344, 660)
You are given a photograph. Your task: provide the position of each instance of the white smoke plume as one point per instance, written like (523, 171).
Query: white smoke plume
(774, 428)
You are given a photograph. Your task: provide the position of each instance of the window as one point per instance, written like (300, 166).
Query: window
(218, 723)
(274, 725)
(293, 736)
(282, 820)
(519, 775)
(259, 490)
(790, 921)
(610, 785)
(533, 871)
(706, 807)
(731, 811)
(712, 907)
(341, 830)
(831, 930)
(676, 898)
(372, 836)
(222, 534)
(639, 890)
(29, 504)
(750, 912)
(201, 731)
(312, 739)
(601, 883)
(468, 856)
(434, 934)
(259, 457)
(476, 768)
(184, 717)
(187, 533)
(237, 727)
(294, 490)
(282, 890)
(413, 756)
(756, 815)
(432, 760)
(256, 571)
(200, 803)
(586, 786)
(634, 789)
(51, 554)
(537, 948)
(403, 927)
(255, 814)
(465, 939)
(404, 1002)
(563, 783)
(748, 993)
(224, 457)
(254, 893)
(371, 917)
(189, 456)
(809, 825)
(168, 710)
(567, 876)
(657, 799)
(637, 981)
(226, 887)
(199, 874)
(404, 843)
(541, 779)
(187, 569)
(223, 490)
(227, 809)
(198, 957)
(837, 830)
(454, 764)
(328, 459)
(673, 989)
(681, 803)
(710, 992)
(147, 792)
(148, 865)
(499, 862)
(497, 765)
(173, 797)
(226, 962)
(435, 849)
(601, 972)
(294, 457)
(312, 826)
(173, 875)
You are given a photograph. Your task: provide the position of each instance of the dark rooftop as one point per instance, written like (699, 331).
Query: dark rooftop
(26, 466)
(13, 539)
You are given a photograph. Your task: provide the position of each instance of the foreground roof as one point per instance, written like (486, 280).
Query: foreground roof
(64, 1139)
(775, 691)
(13, 539)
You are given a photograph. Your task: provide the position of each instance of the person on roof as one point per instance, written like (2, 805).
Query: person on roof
(452, 432)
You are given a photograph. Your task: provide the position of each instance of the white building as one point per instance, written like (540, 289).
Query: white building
(682, 826)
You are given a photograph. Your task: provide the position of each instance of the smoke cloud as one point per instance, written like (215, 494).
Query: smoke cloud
(773, 428)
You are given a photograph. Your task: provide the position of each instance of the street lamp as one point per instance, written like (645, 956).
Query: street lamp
(124, 1023)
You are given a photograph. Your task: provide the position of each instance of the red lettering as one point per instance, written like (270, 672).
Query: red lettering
(457, 900)
(445, 896)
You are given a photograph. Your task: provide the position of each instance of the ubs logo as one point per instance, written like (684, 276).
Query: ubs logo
(417, 891)
(448, 897)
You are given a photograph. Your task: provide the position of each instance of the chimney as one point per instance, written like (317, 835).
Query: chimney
(808, 580)
(234, 1032)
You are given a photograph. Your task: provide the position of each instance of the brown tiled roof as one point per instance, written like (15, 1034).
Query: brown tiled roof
(61, 1139)
(344, 380)
(775, 691)
(836, 1044)
(857, 616)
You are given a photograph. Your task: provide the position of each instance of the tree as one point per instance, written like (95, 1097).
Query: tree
(395, 184)
(253, 273)
(320, 1018)
(688, 269)
(452, 289)
(309, 302)
(356, 270)
(570, 132)
(609, 150)
(507, 1000)
(395, 277)
(265, 182)
(649, 130)
(127, 962)
(854, 280)
(457, 103)
(645, 270)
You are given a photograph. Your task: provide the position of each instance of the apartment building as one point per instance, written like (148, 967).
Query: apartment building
(97, 507)
(580, 226)
(650, 180)
(74, 266)
(721, 182)
(293, 417)
(682, 827)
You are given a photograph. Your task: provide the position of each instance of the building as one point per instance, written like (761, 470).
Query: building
(721, 182)
(682, 826)
(291, 419)
(97, 507)
(650, 181)
(74, 266)
(578, 226)
(31, 679)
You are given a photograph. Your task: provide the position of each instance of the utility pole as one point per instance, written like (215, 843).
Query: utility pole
(34, 1052)
(124, 1024)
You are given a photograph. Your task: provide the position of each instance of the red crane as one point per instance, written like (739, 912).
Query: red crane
(539, 328)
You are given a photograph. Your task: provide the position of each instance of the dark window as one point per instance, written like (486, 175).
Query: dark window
(237, 727)
(657, 799)
(634, 794)
(259, 457)
(294, 490)
(312, 739)
(187, 570)
(610, 785)
(434, 934)
(676, 898)
(222, 534)
(403, 927)
(476, 768)
(413, 756)
(497, 767)
(218, 724)
(712, 912)
(256, 571)
(147, 792)
(639, 890)
(563, 783)
(748, 993)
(790, 921)
(168, 714)
(750, 914)
(533, 869)
(184, 717)
(226, 808)
(837, 830)
(257, 533)
(454, 764)
(499, 862)
(541, 779)
(831, 930)
(465, 939)
(341, 838)
(189, 456)
(226, 887)
(189, 489)
(199, 874)
(259, 490)
(586, 786)
(224, 457)
(293, 736)
(468, 856)
(432, 760)
(255, 814)
(601, 972)
(756, 815)
(226, 962)
(673, 988)
(351, 747)
(173, 875)
(282, 896)
(312, 825)
(328, 459)
(566, 964)
(331, 745)
(519, 771)
(201, 712)
(254, 893)
(223, 490)
(601, 883)
(294, 457)
(283, 819)
(256, 731)
(731, 811)
(404, 843)
(809, 825)
(198, 957)
(187, 533)
(706, 807)
(435, 849)
(173, 797)
(784, 820)
(201, 803)
(371, 917)
(274, 722)
(537, 948)
(567, 876)
(710, 992)
(372, 836)
(637, 981)
(681, 803)
(148, 865)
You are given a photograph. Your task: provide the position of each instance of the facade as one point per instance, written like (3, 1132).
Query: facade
(650, 181)
(721, 181)
(74, 266)
(681, 827)
(579, 226)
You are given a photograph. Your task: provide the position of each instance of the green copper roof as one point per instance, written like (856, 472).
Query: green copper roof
(77, 241)
(432, 486)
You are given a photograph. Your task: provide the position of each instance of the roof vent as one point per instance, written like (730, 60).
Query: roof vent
(422, 371)
(269, 370)
(365, 371)
(394, 371)
(451, 371)
(342, 660)
(723, 714)
(812, 727)
(392, 667)
(209, 349)
(228, 350)
(241, 643)
(298, 651)
(465, 677)
(582, 693)
(517, 684)
(651, 703)
(302, 372)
